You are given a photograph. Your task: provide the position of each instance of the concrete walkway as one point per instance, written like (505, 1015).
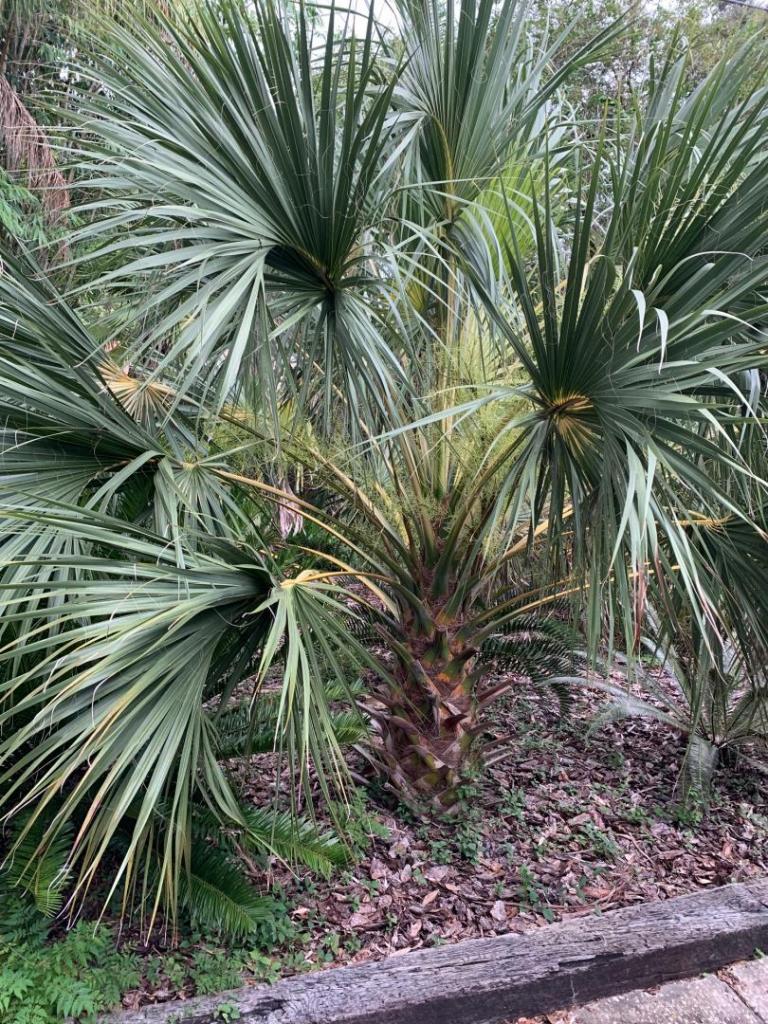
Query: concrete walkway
(736, 995)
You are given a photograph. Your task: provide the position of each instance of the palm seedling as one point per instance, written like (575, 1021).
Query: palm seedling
(706, 692)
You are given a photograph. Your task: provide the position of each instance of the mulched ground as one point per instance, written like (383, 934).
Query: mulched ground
(572, 823)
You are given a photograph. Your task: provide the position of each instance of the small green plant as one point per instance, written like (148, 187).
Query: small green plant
(513, 804)
(531, 895)
(581, 884)
(637, 815)
(170, 970)
(264, 968)
(509, 852)
(227, 1012)
(614, 758)
(440, 852)
(469, 840)
(328, 948)
(214, 971)
(278, 929)
(598, 840)
(78, 976)
(690, 811)
(371, 885)
(360, 826)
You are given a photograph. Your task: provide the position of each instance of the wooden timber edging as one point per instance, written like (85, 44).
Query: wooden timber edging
(489, 981)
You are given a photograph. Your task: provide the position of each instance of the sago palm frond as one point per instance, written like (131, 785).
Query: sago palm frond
(295, 840)
(217, 896)
(534, 646)
(244, 729)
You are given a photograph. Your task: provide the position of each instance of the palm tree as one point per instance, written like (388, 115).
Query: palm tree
(522, 375)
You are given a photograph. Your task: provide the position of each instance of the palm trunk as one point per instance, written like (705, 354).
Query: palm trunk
(429, 726)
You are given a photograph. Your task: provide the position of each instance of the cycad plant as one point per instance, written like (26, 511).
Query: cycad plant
(524, 382)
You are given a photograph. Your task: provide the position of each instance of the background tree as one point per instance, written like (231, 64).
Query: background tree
(701, 28)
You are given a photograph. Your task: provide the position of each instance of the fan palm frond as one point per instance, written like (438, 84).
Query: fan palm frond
(89, 687)
(246, 172)
(636, 353)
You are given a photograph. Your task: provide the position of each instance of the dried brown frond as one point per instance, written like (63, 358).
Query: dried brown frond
(28, 149)
(141, 399)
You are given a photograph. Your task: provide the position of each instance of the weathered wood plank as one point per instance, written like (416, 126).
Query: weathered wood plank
(487, 981)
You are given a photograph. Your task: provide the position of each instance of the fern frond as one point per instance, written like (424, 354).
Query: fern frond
(42, 875)
(362, 626)
(534, 646)
(291, 838)
(540, 648)
(349, 727)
